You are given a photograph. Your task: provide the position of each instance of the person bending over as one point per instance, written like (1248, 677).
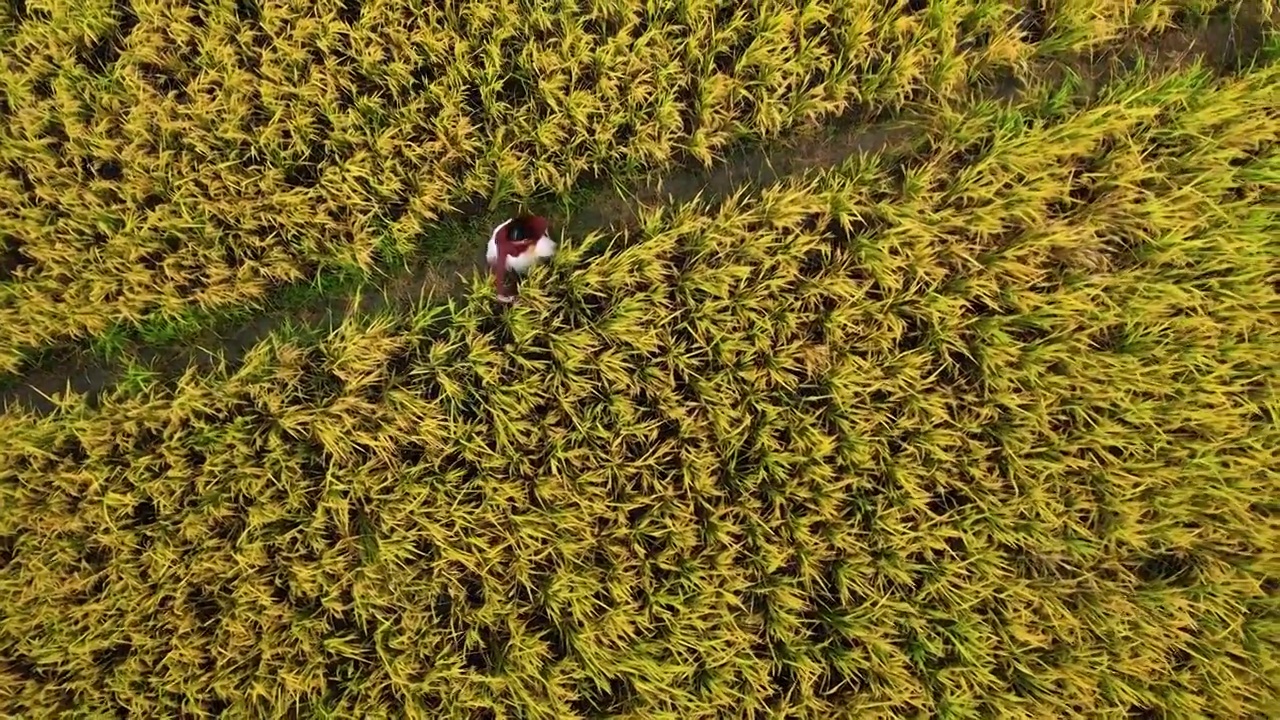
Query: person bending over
(515, 246)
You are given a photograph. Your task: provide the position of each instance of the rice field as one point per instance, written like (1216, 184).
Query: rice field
(159, 157)
(985, 426)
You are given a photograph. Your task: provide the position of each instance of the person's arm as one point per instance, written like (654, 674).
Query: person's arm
(499, 279)
(500, 265)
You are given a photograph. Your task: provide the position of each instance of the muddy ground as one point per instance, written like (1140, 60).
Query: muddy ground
(1224, 44)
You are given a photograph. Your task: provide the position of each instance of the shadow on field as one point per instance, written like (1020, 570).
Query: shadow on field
(1226, 44)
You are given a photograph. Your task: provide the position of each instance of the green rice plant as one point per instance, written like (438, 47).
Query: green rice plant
(158, 158)
(987, 428)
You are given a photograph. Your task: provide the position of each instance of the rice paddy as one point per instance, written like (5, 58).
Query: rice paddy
(160, 158)
(980, 426)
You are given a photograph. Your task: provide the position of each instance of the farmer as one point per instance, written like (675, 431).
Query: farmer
(517, 245)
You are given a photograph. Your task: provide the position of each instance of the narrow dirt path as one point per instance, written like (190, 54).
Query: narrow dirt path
(610, 211)
(1224, 44)
(613, 211)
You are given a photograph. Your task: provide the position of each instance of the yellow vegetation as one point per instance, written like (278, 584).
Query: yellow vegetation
(159, 156)
(984, 430)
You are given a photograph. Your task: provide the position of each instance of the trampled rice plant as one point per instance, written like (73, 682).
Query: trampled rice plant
(163, 156)
(983, 430)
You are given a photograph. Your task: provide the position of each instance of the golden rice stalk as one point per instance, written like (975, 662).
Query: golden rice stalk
(158, 160)
(984, 427)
